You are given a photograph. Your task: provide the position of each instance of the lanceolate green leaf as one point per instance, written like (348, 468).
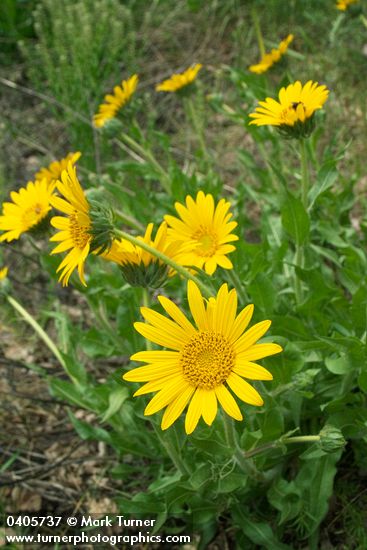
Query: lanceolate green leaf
(295, 219)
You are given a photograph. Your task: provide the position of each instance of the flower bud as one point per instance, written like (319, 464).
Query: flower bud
(331, 439)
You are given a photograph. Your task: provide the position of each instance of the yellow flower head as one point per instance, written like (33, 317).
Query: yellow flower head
(73, 228)
(204, 231)
(293, 112)
(180, 80)
(114, 102)
(3, 273)
(139, 267)
(343, 5)
(30, 206)
(203, 362)
(53, 172)
(272, 57)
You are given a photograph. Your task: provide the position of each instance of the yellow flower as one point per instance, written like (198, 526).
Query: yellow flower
(294, 109)
(203, 232)
(139, 267)
(74, 227)
(53, 172)
(269, 59)
(180, 80)
(342, 5)
(30, 206)
(114, 102)
(3, 273)
(203, 362)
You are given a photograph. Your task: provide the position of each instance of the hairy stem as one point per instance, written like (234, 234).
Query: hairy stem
(38, 329)
(246, 465)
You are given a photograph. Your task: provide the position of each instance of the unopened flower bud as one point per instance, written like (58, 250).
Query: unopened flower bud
(331, 439)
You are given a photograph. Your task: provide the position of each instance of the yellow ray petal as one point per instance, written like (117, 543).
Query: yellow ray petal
(251, 336)
(210, 406)
(228, 403)
(164, 396)
(259, 351)
(252, 371)
(194, 411)
(175, 408)
(243, 390)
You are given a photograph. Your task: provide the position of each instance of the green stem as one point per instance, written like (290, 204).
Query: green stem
(148, 155)
(197, 124)
(305, 184)
(301, 439)
(282, 441)
(246, 465)
(237, 283)
(165, 259)
(38, 329)
(258, 32)
(305, 181)
(297, 283)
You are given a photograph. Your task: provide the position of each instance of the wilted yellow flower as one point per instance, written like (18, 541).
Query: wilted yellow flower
(293, 112)
(180, 80)
(74, 228)
(203, 362)
(139, 267)
(203, 231)
(114, 102)
(272, 57)
(30, 206)
(342, 5)
(54, 170)
(3, 273)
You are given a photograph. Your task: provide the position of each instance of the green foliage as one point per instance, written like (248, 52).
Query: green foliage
(16, 23)
(82, 47)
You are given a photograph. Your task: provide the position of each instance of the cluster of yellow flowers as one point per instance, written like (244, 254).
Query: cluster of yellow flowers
(201, 360)
(212, 355)
(122, 94)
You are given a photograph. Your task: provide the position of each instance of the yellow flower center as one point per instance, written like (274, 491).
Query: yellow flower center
(33, 215)
(207, 242)
(79, 229)
(207, 360)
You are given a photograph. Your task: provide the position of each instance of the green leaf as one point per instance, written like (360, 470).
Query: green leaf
(316, 480)
(140, 504)
(75, 369)
(362, 381)
(231, 483)
(96, 344)
(200, 477)
(338, 365)
(87, 431)
(115, 402)
(68, 392)
(165, 482)
(295, 219)
(286, 498)
(325, 179)
(263, 293)
(258, 533)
